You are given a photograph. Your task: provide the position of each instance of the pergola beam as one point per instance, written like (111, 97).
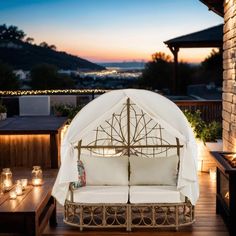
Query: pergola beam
(208, 38)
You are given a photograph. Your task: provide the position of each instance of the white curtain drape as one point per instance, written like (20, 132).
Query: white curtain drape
(159, 108)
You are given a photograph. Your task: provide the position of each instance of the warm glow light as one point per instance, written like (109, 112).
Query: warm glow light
(24, 183)
(6, 178)
(7, 183)
(227, 195)
(37, 182)
(50, 92)
(63, 131)
(200, 164)
(212, 174)
(13, 195)
(19, 188)
(37, 176)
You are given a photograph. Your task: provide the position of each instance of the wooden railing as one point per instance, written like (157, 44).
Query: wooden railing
(210, 110)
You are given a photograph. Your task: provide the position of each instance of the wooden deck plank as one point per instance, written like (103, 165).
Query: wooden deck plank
(207, 222)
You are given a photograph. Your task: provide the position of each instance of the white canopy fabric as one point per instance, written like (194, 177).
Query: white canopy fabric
(159, 108)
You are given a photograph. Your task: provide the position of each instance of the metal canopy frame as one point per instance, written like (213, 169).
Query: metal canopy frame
(147, 135)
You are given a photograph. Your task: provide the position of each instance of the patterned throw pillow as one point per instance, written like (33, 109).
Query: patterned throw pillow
(81, 176)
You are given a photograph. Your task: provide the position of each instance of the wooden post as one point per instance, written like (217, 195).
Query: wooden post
(175, 51)
(54, 150)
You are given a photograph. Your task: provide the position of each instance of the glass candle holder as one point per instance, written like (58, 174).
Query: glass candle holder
(24, 183)
(13, 195)
(19, 188)
(6, 177)
(1, 186)
(37, 176)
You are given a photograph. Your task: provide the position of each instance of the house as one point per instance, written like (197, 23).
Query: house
(227, 9)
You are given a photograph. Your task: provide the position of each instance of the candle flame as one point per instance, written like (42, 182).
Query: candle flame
(227, 195)
(234, 157)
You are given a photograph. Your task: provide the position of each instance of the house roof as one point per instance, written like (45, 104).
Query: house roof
(215, 5)
(211, 37)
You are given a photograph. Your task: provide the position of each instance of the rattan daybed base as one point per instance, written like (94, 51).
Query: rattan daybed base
(129, 216)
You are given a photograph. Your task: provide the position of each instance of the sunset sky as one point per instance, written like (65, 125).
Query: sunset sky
(110, 30)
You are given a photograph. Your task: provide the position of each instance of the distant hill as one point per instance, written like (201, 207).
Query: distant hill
(21, 55)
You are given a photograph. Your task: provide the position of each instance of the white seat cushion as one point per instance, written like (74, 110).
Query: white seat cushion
(101, 194)
(155, 194)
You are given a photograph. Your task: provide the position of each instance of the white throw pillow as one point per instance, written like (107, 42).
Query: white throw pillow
(106, 170)
(153, 171)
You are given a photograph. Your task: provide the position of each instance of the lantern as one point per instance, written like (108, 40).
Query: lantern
(37, 176)
(6, 177)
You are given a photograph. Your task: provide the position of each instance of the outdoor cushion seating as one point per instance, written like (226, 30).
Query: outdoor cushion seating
(140, 160)
(153, 171)
(105, 171)
(155, 194)
(101, 194)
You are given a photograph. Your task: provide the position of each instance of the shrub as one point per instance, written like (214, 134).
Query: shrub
(66, 110)
(206, 132)
(211, 132)
(3, 108)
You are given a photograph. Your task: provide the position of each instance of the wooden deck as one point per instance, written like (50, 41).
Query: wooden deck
(207, 222)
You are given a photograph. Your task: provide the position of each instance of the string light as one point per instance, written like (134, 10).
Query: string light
(50, 92)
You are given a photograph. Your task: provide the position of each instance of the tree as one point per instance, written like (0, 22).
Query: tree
(8, 80)
(185, 74)
(157, 73)
(10, 33)
(44, 45)
(212, 68)
(45, 76)
(29, 40)
(53, 47)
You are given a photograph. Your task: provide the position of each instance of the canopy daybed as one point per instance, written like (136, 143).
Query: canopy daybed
(140, 160)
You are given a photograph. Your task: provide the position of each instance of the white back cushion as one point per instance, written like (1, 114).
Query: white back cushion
(106, 170)
(153, 171)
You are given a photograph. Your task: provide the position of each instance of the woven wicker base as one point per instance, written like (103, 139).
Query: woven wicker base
(128, 216)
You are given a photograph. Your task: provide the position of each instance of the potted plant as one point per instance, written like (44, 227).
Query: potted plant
(209, 133)
(66, 110)
(211, 136)
(3, 112)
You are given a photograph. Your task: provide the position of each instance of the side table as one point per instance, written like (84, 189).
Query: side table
(29, 213)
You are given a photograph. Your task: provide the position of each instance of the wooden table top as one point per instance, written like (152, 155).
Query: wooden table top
(32, 198)
(32, 124)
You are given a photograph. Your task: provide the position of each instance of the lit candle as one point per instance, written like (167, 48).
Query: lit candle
(6, 177)
(19, 189)
(7, 183)
(227, 195)
(13, 195)
(37, 176)
(37, 182)
(24, 183)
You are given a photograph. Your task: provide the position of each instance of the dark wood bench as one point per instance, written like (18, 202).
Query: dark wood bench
(26, 141)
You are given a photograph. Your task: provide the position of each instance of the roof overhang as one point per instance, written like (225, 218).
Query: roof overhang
(210, 38)
(216, 6)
